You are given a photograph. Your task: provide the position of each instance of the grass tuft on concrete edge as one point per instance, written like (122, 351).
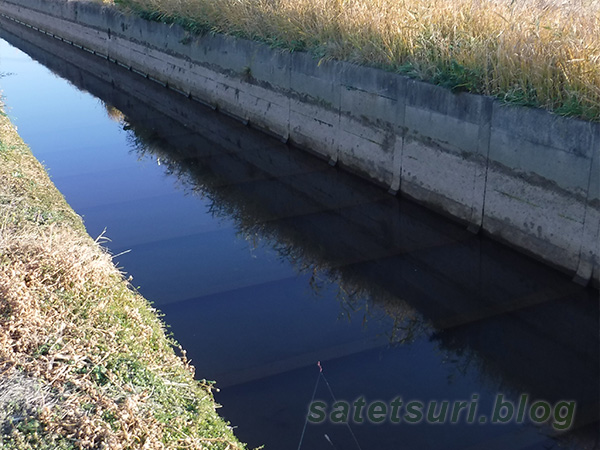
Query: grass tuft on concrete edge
(84, 360)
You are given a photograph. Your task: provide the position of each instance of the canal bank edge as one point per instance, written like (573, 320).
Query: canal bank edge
(524, 176)
(85, 360)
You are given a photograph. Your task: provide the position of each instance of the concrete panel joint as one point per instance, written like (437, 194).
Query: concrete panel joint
(589, 257)
(480, 173)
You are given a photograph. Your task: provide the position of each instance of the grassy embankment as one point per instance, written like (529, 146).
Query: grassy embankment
(542, 53)
(84, 360)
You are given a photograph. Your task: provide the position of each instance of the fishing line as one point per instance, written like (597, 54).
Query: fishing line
(335, 399)
(311, 400)
(321, 374)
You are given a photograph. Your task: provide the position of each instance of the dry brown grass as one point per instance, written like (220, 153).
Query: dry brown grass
(536, 52)
(90, 356)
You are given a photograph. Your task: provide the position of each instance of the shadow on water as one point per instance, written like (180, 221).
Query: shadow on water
(496, 320)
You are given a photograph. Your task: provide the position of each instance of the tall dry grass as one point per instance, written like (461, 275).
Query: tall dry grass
(538, 52)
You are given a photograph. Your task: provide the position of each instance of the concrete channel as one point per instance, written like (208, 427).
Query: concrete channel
(526, 177)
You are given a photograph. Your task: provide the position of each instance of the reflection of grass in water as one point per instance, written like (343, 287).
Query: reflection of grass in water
(113, 113)
(358, 298)
(543, 53)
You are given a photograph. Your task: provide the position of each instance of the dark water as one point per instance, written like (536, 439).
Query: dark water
(266, 260)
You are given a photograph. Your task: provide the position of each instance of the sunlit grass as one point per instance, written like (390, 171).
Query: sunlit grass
(543, 53)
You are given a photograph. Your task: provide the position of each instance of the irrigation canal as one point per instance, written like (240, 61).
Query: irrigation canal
(265, 260)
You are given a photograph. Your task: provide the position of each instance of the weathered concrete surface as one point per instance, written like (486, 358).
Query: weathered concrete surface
(525, 176)
(538, 193)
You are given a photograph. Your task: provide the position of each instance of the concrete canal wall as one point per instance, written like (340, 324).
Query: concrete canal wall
(524, 176)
